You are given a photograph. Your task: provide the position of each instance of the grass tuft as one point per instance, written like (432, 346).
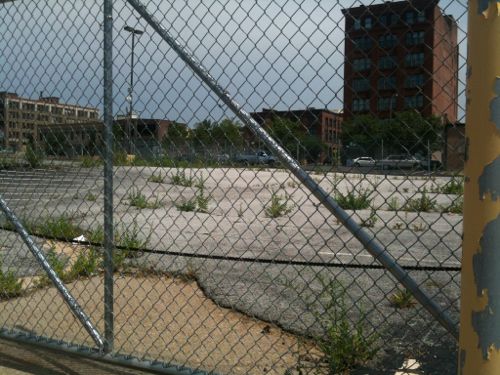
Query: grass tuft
(278, 206)
(354, 200)
(180, 179)
(402, 299)
(422, 204)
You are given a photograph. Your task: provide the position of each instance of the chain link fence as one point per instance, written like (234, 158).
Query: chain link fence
(328, 243)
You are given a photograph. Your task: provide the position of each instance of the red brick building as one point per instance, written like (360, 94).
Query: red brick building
(400, 56)
(324, 124)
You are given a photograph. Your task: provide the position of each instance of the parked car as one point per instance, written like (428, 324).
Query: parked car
(434, 164)
(399, 162)
(260, 157)
(364, 161)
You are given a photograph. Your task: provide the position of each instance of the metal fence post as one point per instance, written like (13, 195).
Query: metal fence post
(480, 305)
(108, 176)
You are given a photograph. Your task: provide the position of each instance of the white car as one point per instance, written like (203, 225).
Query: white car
(364, 161)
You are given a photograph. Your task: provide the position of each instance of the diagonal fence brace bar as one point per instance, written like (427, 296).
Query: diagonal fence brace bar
(367, 239)
(42, 260)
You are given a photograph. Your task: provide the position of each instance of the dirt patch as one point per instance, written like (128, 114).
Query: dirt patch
(167, 319)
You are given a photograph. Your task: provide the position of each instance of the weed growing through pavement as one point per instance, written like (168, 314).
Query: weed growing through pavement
(240, 211)
(137, 199)
(10, 285)
(455, 207)
(57, 264)
(354, 200)
(393, 204)
(402, 299)
(418, 227)
(370, 221)
(180, 179)
(90, 197)
(345, 344)
(187, 205)
(85, 265)
(278, 205)
(454, 186)
(90, 161)
(156, 178)
(397, 225)
(422, 204)
(55, 227)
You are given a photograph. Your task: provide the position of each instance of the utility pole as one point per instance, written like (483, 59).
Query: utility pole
(479, 348)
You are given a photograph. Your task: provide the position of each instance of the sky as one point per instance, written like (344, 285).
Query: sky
(267, 54)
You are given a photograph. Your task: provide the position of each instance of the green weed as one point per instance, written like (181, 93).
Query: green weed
(455, 207)
(278, 206)
(180, 179)
(454, 186)
(393, 204)
(55, 227)
(90, 161)
(86, 264)
(156, 178)
(10, 285)
(57, 264)
(344, 344)
(402, 299)
(90, 197)
(353, 200)
(422, 204)
(137, 199)
(371, 220)
(187, 205)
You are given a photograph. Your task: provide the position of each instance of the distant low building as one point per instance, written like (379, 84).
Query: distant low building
(20, 118)
(325, 125)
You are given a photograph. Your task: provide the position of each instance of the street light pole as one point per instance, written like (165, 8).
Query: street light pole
(134, 32)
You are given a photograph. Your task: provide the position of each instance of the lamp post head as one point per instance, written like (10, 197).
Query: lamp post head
(132, 30)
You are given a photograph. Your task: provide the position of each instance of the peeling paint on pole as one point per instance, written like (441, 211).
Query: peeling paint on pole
(486, 264)
(484, 5)
(479, 348)
(495, 105)
(489, 181)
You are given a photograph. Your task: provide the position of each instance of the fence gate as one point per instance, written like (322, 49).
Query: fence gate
(234, 187)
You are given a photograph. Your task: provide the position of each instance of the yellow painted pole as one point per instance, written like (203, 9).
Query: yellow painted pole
(479, 351)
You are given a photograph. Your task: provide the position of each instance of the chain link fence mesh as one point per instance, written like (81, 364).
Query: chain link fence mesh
(224, 262)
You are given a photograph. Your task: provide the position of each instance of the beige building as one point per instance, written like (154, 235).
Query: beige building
(20, 118)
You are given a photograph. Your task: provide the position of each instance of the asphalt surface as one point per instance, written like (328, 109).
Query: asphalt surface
(269, 273)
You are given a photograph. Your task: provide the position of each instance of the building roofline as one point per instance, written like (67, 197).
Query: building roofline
(304, 110)
(417, 4)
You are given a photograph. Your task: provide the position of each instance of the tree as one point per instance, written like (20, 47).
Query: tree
(406, 132)
(295, 139)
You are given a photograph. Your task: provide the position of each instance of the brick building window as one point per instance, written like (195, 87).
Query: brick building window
(387, 62)
(368, 23)
(410, 17)
(416, 101)
(414, 80)
(364, 43)
(388, 41)
(361, 64)
(361, 84)
(387, 83)
(387, 19)
(361, 105)
(385, 104)
(415, 38)
(414, 59)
